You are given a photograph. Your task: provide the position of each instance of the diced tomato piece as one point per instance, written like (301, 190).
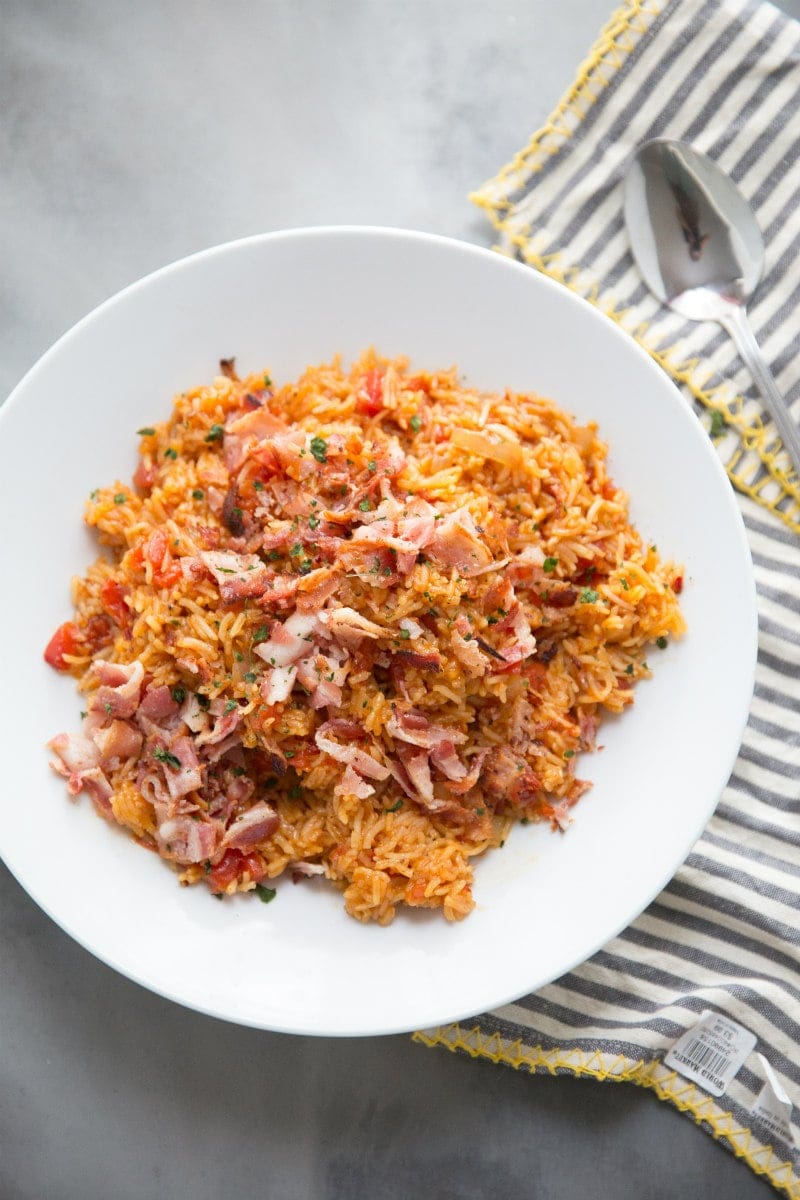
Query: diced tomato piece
(677, 585)
(166, 572)
(67, 639)
(145, 475)
(370, 400)
(112, 598)
(233, 865)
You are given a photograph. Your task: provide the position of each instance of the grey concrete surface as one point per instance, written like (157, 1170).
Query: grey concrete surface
(131, 134)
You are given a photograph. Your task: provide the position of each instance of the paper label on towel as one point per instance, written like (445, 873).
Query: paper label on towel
(712, 1052)
(773, 1107)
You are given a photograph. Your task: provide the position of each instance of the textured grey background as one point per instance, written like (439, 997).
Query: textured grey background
(132, 134)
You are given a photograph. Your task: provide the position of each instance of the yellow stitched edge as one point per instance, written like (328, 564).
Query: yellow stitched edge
(652, 1074)
(757, 479)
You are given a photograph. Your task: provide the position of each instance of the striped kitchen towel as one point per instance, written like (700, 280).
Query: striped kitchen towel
(699, 999)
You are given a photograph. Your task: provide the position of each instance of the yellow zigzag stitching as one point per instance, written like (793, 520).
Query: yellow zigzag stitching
(763, 480)
(652, 1074)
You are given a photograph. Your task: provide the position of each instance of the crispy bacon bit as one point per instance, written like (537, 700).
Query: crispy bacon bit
(237, 575)
(421, 662)
(509, 779)
(561, 597)
(359, 760)
(490, 650)
(418, 769)
(187, 841)
(117, 743)
(349, 626)
(232, 515)
(253, 828)
(352, 784)
(78, 760)
(414, 727)
(120, 685)
(460, 787)
(457, 543)
(228, 368)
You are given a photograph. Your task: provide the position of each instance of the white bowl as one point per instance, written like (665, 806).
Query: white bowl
(545, 902)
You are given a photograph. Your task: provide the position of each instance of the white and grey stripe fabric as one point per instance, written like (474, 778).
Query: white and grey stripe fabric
(725, 934)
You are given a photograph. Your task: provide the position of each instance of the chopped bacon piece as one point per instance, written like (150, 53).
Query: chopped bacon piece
(238, 575)
(349, 626)
(186, 840)
(359, 760)
(157, 704)
(78, 762)
(255, 826)
(457, 543)
(460, 787)
(414, 727)
(420, 661)
(120, 685)
(352, 784)
(118, 742)
(418, 769)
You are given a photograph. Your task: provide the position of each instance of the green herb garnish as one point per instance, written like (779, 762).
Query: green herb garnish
(661, 642)
(588, 596)
(166, 757)
(120, 498)
(214, 434)
(146, 432)
(170, 453)
(549, 564)
(416, 423)
(319, 448)
(265, 894)
(178, 694)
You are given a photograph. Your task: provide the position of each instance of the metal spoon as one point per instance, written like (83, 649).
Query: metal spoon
(698, 246)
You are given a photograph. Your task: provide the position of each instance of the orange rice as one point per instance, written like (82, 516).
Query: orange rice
(552, 527)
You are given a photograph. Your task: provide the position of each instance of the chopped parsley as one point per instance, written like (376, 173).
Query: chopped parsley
(397, 804)
(250, 676)
(313, 522)
(588, 596)
(265, 894)
(365, 505)
(405, 633)
(120, 498)
(273, 555)
(569, 754)
(93, 494)
(549, 564)
(296, 550)
(230, 706)
(261, 634)
(629, 669)
(319, 448)
(166, 757)
(170, 452)
(238, 656)
(372, 465)
(661, 642)
(146, 431)
(267, 381)
(624, 583)
(492, 620)
(178, 694)
(214, 434)
(717, 423)
(416, 423)
(258, 485)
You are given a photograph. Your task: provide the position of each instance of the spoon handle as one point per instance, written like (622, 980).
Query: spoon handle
(737, 325)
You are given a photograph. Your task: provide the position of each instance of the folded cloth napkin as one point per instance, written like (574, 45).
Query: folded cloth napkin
(723, 939)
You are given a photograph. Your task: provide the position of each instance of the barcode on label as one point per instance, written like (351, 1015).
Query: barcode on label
(709, 1062)
(712, 1052)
